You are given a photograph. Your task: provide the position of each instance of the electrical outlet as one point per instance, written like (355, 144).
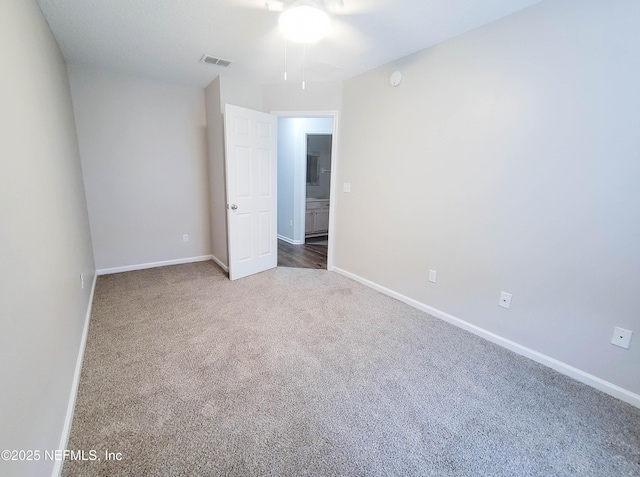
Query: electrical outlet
(185, 238)
(432, 276)
(291, 223)
(621, 337)
(346, 187)
(505, 300)
(82, 280)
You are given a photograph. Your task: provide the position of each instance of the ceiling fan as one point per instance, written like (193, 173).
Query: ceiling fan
(309, 21)
(332, 6)
(305, 21)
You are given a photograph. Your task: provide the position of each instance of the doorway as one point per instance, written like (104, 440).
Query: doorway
(306, 165)
(318, 189)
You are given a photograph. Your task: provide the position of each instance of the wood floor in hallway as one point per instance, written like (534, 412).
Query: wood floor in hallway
(308, 255)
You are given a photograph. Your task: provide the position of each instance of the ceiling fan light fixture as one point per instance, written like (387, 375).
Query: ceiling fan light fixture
(274, 5)
(304, 23)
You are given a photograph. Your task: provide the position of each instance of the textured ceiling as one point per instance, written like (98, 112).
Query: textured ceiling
(165, 39)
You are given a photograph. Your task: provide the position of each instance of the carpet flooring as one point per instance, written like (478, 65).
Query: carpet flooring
(296, 372)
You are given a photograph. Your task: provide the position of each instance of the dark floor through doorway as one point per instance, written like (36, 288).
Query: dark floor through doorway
(312, 254)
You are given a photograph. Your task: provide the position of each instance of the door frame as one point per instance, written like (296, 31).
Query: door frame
(334, 168)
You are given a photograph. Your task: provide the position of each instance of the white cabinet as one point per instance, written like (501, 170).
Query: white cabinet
(317, 217)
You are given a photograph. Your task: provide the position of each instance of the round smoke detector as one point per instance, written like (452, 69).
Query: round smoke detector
(395, 79)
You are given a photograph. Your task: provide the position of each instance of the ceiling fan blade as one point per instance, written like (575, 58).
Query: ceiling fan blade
(344, 36)
(352, 7)
(275, 5)
(330, 64)
(333, 7)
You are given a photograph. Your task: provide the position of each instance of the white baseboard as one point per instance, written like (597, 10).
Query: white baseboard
(566, 369)
(220, 264)
(68, 420)
(142, 266)
(288, 240)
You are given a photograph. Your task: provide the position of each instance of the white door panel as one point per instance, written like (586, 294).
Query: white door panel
(250, 146)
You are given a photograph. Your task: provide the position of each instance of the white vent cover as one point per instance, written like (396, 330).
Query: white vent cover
(212, 60)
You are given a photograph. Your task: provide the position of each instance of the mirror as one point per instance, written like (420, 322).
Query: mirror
(313, 174)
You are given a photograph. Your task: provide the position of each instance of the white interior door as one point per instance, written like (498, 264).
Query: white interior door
(251, 169)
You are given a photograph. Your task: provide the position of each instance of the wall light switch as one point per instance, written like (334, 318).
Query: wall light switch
(346, 187)
(185, 238)
(621, 337)
(82, 280)
(432, 276)
(505, 300)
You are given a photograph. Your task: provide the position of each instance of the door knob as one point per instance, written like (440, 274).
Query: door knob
(234, 207)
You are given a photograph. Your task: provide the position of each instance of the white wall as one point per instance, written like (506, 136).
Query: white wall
(44, 238)
(286, 170)
(292, 161)
(144, 159)
(217, 179)
(507, 160)
(246, 93)
(291, 97)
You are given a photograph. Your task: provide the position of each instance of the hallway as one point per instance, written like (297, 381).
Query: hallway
(308, 255)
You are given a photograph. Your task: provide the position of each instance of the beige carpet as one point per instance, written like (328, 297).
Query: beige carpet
(303, 372)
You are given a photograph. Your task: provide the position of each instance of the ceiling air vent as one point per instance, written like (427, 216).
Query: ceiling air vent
(212, 60)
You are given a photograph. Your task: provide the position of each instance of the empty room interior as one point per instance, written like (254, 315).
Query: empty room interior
(454, 190)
